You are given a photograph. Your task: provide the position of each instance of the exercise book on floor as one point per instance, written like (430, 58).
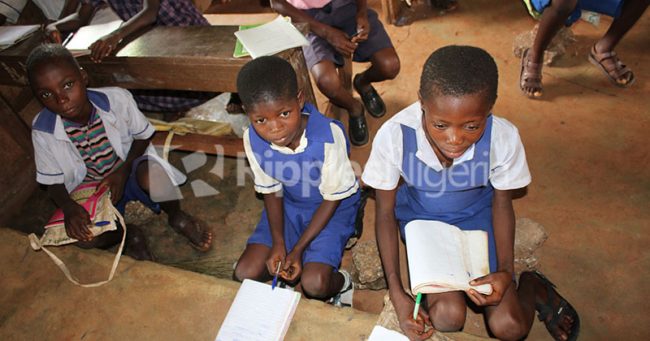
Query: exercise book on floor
(259, 313)
(273, 37)
(442, 257)
(79, 42)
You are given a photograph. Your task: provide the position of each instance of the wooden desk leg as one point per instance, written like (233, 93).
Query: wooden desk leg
(390, 10)
(297, 60)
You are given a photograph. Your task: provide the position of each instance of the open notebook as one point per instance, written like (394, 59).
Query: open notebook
(259, 313)
(273, 37)
(13, 34)
(442, 257)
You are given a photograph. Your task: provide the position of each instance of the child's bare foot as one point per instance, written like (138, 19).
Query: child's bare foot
(560, 318)
(619, 74)
(234, 105)
(136, 244)
(191, 228)
(530, 76)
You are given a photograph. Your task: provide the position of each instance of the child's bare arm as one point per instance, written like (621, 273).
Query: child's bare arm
(386, 233)
(335, 37)
(320, 219)
(76, 218)
(273, 204)
(503, 221)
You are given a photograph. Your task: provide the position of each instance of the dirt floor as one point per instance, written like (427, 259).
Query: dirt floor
(586, 144)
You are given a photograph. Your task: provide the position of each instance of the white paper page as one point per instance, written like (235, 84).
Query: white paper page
(87, 35)
(380, 333)
(258, 313)
(11, 33)
(434, 251)
(270, 38)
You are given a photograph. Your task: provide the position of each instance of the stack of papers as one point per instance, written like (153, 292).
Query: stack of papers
(10, 35)
(273, 37)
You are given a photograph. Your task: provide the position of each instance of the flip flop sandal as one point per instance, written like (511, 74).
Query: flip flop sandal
(619, 71)
(548, 309)
(371, 100)
(530, 79)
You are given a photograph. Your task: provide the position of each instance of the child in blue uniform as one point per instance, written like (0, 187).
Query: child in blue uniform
(459, 164)
(299, 160)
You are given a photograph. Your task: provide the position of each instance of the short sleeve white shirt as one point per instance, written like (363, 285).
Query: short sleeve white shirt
(508, 166)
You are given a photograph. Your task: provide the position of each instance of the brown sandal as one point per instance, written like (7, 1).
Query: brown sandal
(619, 74)
(530, 77)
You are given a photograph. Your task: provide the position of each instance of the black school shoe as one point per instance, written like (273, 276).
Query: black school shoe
(371, 100)
(358, 130)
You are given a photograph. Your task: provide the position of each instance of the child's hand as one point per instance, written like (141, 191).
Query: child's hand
(340, 41)
(278, 255)
(292, 266)
(52, 34)
(76, 221)
(413, 329)
(500, 282)
(115, 183)
(104, 46)
(363, 28)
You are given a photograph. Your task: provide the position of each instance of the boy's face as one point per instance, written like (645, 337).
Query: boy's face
(279, 121)
(452, 124)
(61, 87)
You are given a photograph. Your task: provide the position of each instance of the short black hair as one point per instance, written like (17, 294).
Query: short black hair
(48, 53)
(266, 79)
(457, 70)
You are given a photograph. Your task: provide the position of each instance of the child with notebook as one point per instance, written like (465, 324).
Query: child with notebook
(459, 164)
(99, 135)
(299, 160)
(345, 28)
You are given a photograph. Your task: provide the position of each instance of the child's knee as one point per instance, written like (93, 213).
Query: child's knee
(246, 270)
(390, 66)
(328, 83)
(448, 316)
(315, 284)
(507, 326)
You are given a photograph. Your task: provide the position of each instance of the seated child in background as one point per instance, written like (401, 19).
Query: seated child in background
(138, 14)
(558, 12)
(299, 160)
(345, 28)
(459, 164)
(99, 135)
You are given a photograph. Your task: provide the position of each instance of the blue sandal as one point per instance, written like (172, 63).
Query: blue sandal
(551, 314)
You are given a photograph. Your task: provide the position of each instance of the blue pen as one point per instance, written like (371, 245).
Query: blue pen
(275, 278)
(102, 223)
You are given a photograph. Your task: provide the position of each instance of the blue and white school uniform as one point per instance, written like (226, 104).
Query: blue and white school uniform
(460, 195)
(318, 169)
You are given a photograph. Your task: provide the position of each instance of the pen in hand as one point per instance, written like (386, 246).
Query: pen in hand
(418, 300)
(275, 278)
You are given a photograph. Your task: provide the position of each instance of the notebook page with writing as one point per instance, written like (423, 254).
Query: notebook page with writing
(259, 313)
(271, 38)
(437, 258)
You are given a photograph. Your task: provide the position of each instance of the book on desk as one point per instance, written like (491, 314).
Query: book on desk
(79, 42)
(270, 38)
(13, 34)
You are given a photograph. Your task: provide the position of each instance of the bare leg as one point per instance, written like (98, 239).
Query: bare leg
(252, 263)
(319, 281)
(163, 189)
(447, 310)
(328, 82)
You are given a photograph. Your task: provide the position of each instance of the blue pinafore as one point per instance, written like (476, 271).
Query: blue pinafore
(460, 195)
(300, 175)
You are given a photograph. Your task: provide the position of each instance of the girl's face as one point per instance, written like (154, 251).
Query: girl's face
(61, 87)
(279, 121)
(452, 124)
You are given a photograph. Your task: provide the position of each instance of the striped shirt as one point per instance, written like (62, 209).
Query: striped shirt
(93, 146)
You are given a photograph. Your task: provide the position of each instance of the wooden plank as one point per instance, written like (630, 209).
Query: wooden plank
(213, 145)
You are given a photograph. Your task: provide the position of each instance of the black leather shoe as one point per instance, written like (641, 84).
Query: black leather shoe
(371, 100)
(358, 130)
